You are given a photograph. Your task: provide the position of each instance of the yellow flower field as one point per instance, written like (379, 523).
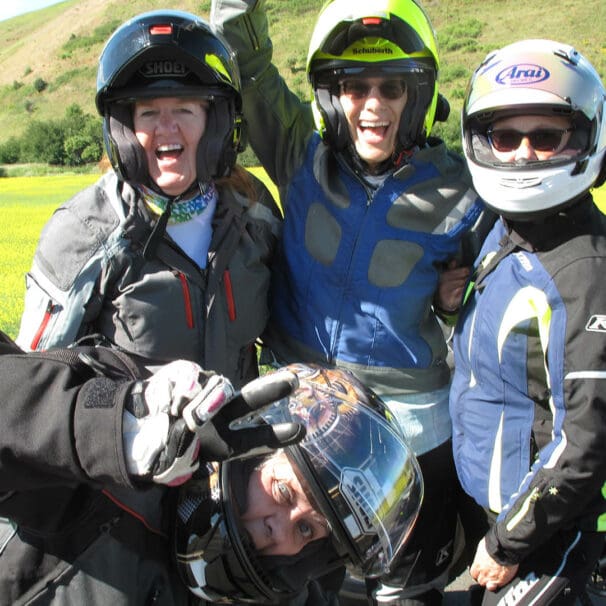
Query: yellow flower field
(26, 204)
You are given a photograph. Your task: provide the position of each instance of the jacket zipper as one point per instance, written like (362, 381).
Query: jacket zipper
(189, 316)
(229, 294)
(370, 195)
(45, 320)
(250, 30)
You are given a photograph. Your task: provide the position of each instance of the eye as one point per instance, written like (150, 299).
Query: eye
(306, 530)
(284, 492)
(145, 111)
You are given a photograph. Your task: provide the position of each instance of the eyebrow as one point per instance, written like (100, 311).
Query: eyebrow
(320, 520)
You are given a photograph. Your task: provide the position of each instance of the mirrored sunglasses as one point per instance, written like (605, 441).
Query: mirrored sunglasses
(360, 89)
(541, 139)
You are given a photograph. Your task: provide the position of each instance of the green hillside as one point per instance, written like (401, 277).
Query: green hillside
(60, 45)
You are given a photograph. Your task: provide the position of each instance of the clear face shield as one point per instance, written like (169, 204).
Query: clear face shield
(529, 137)
(353, 464)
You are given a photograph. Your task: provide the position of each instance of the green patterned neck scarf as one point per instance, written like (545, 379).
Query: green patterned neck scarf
(182, 210)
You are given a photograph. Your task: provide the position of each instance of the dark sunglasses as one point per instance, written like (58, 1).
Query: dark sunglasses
(541, 139)
(360, 89)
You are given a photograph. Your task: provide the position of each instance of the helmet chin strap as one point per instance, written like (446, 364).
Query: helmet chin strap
(151, 246)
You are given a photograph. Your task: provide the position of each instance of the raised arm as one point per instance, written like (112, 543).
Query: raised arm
(279, 124)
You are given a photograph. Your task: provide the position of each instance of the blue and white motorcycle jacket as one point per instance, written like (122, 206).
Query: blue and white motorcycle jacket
(528, 400)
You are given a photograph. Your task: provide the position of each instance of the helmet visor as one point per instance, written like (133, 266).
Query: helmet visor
(356, 465)
(523, 137)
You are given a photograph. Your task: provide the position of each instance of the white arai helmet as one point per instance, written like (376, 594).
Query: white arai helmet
(535, 77)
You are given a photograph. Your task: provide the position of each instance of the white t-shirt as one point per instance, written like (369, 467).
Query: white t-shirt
(194, 236)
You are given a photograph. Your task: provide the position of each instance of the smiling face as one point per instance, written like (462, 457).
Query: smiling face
(169, 129)
(373, 118)
(279, 517)
(515, 136)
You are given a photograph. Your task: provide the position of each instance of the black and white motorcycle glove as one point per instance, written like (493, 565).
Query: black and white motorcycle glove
(183, 415)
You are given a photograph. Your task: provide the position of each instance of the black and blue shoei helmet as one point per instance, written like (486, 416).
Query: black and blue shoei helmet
(169, 53)
(354, 466)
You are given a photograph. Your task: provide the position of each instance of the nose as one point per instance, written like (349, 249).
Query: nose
(374, 95)
(525, 151)
(166, 122)
(283, 524)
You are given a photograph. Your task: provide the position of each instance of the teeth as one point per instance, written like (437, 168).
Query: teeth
(366, 124)
(169, 147)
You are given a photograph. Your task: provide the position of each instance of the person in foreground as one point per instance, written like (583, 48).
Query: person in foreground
(528, 401)
(374, 210)
(91, 449)
(167, 256)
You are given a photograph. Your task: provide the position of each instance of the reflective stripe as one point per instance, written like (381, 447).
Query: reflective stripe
(586, 374)
(496, 464)
(528, 302)
(602, 519)
(513, 522)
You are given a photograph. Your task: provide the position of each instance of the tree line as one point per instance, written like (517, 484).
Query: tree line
(73, 140)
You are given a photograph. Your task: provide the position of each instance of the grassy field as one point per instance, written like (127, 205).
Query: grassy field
(26, 204)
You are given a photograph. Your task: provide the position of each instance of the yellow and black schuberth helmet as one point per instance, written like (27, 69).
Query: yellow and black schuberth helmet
(386, 38)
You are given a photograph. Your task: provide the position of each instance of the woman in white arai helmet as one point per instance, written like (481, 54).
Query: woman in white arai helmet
(527, 401)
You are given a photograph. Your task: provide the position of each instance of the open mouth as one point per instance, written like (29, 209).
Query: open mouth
(373, 129)
(169, 152)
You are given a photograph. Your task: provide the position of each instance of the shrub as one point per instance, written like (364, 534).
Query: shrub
(452, 73)
(463, 35)
(74, 140)
(100, 34)
(42, 142)
(10, 151)
(40, 84)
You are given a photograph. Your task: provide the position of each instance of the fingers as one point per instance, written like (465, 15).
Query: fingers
(264, 439)
(173, 386)
(179, 460)
(216, 392)
(269, 388)
(259, 393)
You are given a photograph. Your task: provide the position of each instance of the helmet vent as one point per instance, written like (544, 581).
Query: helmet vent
(520, 182)
(161, 30)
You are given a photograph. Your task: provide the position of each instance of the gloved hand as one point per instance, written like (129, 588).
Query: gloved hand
(182, 415)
